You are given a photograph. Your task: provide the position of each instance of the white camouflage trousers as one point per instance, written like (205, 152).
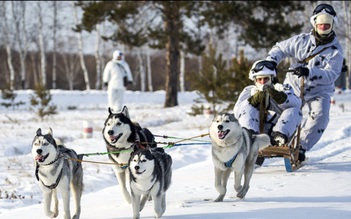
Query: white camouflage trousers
(315, 120)
(115, 99)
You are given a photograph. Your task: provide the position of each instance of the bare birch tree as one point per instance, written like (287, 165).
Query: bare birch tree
(67, 52)
(54, 39)
(97, 58)
(141, 71)
(7, 33)
(149, 72)
(41, 46)
(80, 48)
(182, 73)
(21, 36)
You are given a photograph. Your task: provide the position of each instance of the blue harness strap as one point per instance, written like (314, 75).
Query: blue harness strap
(230, 162)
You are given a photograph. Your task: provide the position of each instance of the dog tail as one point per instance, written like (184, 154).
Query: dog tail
(263, 140)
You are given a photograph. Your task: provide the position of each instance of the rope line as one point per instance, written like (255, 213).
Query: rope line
(168, 145)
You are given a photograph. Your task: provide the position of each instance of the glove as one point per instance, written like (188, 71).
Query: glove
(255, 99)
(301, 71)
(125, 81)
(278, 96)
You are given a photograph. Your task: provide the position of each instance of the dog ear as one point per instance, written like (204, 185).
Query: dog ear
(39, 132)
(50, 131)
(125, 111)
(110, 110)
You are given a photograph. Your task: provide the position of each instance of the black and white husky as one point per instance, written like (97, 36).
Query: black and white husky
(150, 177)
(121, 135)
(234, 149)
(57, 171)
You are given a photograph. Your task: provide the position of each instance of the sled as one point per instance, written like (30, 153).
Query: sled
(289, 151)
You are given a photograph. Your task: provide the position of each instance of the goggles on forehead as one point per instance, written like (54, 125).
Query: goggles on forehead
(327, 8)
(260, 65)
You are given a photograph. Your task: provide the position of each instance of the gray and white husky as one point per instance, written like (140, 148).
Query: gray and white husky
(57, 171)
(234, 149)
(121, 135)
(150, 177)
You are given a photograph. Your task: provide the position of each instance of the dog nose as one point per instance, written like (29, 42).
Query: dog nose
(220, 127)
(136, 167)
(39, 151)
(110, 132)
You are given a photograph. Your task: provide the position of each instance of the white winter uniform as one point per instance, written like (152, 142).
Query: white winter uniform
(319, 86)
(283, 118)
(114, 73)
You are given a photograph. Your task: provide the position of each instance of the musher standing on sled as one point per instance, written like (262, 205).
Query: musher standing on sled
(318, 57)
(283, 107)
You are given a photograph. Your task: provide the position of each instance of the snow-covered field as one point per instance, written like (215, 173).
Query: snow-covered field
(319, 190)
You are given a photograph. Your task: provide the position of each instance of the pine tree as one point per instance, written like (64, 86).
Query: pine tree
(40, 102)
(217, 85)
(9, 96)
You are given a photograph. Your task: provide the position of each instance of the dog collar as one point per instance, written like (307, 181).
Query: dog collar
(58, 156)
(52, 186)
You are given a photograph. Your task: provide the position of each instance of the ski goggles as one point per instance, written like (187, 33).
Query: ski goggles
(327, 8)
(260, 65)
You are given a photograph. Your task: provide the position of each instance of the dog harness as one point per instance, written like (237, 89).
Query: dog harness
(54, 185)
(230, 162)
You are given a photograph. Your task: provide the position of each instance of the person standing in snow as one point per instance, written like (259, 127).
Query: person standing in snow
(281, 106)
(317, 62)
(116, 77)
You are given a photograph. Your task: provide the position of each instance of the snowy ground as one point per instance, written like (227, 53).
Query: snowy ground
(319, 190)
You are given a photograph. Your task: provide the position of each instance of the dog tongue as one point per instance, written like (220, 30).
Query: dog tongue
(39, 157)
(221, 134)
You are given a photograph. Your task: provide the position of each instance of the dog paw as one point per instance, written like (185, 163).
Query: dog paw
(238, 188)
(219, 198)
(242, 193)
(52, 214)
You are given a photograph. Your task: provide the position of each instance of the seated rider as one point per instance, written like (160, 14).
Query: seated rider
(282, 107)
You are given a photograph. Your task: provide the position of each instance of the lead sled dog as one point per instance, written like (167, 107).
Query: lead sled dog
(150, 177)
(234, 149)
(57, 172)
(121, 135)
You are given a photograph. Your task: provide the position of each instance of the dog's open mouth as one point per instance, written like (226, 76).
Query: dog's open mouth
(222, 134)
(114, 139)
(139, 172)
(41, 158)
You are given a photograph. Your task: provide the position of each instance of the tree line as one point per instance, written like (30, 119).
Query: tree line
(165, 40)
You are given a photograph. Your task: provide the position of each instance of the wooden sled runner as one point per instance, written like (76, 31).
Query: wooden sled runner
(289, 151)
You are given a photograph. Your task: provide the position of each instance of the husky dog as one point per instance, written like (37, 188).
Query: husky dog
(150, 177)
(120, 135)
(57, 171)
(234, 149)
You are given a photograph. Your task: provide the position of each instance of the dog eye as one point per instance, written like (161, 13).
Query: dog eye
(45, 144)
(144, 160)
(119, 123)
(227, 121)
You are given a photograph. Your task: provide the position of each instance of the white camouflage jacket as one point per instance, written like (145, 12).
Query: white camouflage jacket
(324, 68)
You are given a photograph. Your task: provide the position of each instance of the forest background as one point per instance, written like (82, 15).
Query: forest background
(170, 45)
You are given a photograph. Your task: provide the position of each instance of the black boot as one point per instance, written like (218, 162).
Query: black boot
(259, 161)
(302, 156)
